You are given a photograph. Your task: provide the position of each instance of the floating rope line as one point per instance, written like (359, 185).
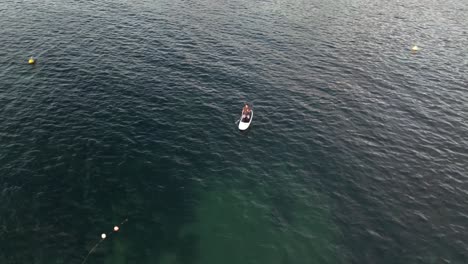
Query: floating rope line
(104, 236)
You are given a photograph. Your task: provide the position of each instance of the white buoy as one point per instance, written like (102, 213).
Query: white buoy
(116, 228)
(103, 236)
(415, 48)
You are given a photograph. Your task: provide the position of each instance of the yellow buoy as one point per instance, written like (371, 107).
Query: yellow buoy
(415, 48)
(31, 60)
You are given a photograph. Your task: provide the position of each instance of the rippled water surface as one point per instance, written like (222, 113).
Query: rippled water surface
(357, 152)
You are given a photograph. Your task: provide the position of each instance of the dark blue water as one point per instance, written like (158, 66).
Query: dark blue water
(357, 152)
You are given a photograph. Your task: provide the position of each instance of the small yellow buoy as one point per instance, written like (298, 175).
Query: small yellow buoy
(415, 48)
(31, 60)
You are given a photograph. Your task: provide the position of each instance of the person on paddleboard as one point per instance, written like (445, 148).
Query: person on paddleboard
(246, 112)
(246, 109)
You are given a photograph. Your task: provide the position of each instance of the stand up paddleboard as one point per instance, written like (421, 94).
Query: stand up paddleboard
(245, 120)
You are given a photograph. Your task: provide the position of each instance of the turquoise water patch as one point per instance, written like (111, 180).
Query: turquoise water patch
(238, 227)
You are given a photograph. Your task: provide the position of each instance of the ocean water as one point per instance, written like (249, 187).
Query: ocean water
(358, 151)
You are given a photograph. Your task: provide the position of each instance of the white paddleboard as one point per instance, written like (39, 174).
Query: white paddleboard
(244, 122)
